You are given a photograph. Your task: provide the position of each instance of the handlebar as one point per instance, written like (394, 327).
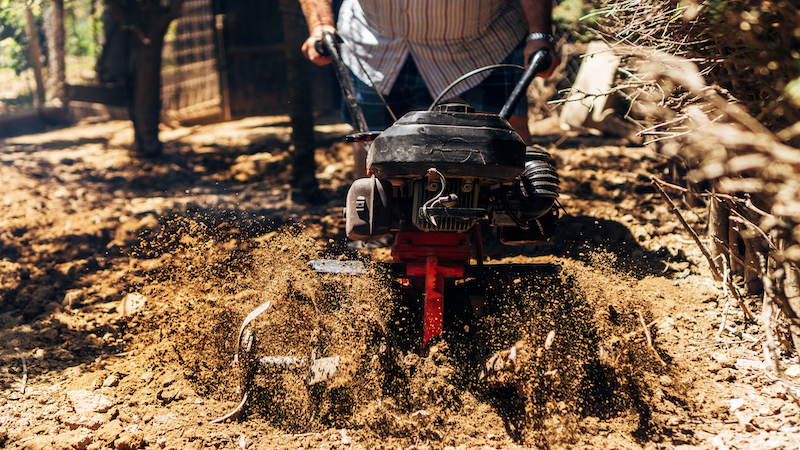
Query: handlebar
(329, 46)
(539, 62)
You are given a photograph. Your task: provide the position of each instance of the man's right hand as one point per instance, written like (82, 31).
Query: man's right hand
(310, 52)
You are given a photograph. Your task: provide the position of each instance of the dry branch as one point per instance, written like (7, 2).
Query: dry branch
(649, 339)
(713, 89)
(24, 371)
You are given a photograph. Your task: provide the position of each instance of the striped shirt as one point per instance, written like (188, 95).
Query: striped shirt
(446, 38)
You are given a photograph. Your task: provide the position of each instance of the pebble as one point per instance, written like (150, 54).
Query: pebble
(73, 440)
(85, 402)
(735, 404)
(111, 380)
(129, 440)
(131, 304)
(92, 421)
(72, 299)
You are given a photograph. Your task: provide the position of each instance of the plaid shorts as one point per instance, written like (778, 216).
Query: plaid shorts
(410, 93)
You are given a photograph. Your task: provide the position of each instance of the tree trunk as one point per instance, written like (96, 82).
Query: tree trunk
(298, 69)
(55, 50)
(35, 53)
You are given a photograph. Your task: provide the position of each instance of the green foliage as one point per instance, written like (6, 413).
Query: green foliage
(12, 55)
(570, 12)
(82, 24)
(13, 50)
(12, 18)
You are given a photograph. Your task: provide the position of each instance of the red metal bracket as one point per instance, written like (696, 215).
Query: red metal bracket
(432, 256)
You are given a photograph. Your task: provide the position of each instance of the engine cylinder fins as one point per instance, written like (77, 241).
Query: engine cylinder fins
(539, 179)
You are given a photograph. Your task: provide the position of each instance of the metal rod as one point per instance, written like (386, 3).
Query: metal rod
(539, 61)
(332, 50)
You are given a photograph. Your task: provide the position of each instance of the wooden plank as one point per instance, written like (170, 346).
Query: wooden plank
(588, 103)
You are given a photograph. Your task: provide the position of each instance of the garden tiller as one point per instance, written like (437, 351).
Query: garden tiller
(436, 178)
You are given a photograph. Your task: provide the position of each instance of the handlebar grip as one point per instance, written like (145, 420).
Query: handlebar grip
(320, 47)
(323, 46)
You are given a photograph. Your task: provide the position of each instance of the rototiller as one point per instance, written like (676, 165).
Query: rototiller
(435, 178)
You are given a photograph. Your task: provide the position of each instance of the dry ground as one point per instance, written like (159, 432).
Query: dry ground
(123, 283)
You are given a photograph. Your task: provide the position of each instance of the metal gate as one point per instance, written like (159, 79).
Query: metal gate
(190, 81)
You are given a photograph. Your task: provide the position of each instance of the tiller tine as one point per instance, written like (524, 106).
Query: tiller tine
(336, 266)
(317, 369)
(322, 369)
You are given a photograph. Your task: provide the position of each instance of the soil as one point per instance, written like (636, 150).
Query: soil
(125, 282)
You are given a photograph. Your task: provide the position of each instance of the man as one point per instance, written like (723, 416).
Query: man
(410, 50)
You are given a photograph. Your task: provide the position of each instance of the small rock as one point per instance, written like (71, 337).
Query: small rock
(147, 376)
(72, 299)
(131, 304)
(793, 370)
(133, 428)
(111, 380)
(92, 421)
(346, 439)
(86, 402)
(736, 403)
(38, 443)
(129, 440)
(161, 420)
(73, 440)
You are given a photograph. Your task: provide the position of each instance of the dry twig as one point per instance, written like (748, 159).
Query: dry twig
(714, 270)
(649, 338)
(24, 371)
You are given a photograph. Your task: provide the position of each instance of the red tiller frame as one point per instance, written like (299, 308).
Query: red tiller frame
(432, 256)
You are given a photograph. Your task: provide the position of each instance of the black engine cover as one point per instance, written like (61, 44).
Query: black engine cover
(453, 139)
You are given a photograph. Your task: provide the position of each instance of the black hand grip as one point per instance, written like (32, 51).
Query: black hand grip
(539, 62)
(320, 47)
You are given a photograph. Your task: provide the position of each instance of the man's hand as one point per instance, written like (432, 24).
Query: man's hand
(533, 46)
(310, 51)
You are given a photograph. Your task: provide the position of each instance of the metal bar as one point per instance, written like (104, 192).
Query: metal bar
(539, 61)
(434, 301)
(329, 43)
